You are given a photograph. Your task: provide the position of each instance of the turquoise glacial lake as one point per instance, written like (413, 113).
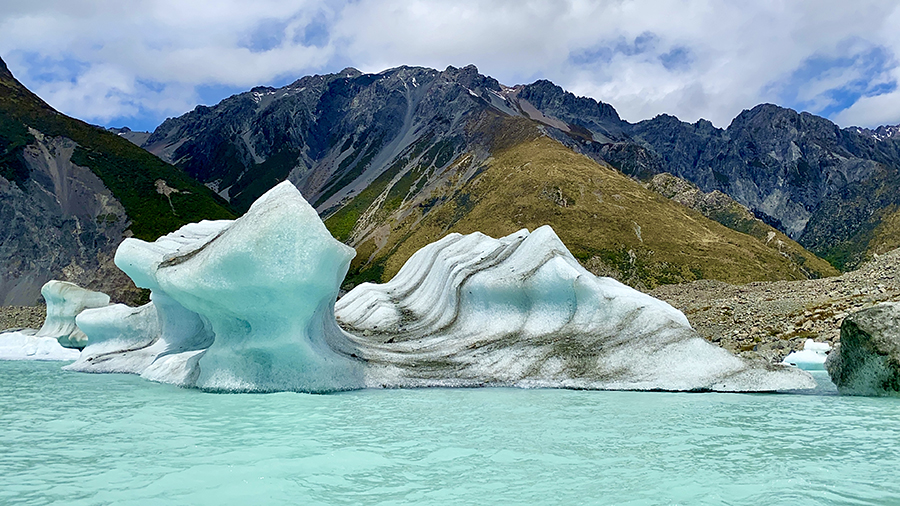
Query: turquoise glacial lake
(79, 439)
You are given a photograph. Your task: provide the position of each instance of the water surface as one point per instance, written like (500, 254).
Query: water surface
(80, 439)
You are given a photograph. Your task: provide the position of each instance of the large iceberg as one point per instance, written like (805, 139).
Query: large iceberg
(470, 310)
(244, 305)
(249, 305)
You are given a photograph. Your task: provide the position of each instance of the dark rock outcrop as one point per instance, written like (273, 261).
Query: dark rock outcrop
(831, 189)
(868, 359)
(331, 135)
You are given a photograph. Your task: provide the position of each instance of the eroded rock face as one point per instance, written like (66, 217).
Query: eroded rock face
(868, 359)
(62, 223)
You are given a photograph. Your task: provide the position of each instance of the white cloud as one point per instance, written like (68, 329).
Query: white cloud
(106, 59)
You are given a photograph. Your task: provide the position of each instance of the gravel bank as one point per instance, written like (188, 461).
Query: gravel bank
(768, 320)
(16, 317)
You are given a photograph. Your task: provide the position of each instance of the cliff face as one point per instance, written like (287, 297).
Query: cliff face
(331, 135)
(62, 222)
(70, 192)
(826, 187)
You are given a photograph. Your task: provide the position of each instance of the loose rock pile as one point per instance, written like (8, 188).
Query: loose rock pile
(768, 320)
(19, 317)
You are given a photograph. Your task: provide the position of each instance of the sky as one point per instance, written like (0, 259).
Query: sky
(135, 63)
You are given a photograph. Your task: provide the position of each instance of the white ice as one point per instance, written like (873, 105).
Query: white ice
(520, 310)
(249, 305)
(24, 345)
(59, 336)
(811, 358)
(64, 302)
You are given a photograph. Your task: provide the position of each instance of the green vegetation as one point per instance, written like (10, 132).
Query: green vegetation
(361, 164)
(341, 223)
(886, 235)
(262, 177)
(128, 171)
(13, 139)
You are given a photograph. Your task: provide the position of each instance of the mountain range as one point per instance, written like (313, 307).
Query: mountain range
(395, 160)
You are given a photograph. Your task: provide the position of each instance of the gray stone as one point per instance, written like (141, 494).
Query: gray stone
(868, 359)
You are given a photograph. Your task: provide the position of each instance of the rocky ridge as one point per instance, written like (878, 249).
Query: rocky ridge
(390, 157)
(768, 320)
(835, 191)
(881, 133)
(719, 207)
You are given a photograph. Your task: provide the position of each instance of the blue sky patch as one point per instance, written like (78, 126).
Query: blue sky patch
(826, 85)
(268, 35)
(677, 59)
(604, 53)
(316, 32)
(45, 69)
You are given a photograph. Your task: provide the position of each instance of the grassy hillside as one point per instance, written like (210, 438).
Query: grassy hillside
(723, 209)
(611, 223)
(128, 171)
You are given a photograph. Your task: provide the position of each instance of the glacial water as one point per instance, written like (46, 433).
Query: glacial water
(80, 439)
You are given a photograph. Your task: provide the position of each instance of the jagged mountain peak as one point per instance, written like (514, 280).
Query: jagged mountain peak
(336, 134)
(4, 70)
(545, 94)
(350, 72)
(881, 133)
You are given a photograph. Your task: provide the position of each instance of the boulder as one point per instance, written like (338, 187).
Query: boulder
(867, 362)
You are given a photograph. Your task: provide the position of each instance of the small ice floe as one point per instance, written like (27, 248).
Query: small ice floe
(811, 358)
(25, 345)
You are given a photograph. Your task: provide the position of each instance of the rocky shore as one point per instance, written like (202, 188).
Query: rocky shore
(768, 320)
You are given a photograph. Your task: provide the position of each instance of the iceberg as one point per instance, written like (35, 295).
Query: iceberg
(59, 338)
(250, 306)
(241, 306)
(811, 358)
(25, 345)
(64, 302)
(470, 310)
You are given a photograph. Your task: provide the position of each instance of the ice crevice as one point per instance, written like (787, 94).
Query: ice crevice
(249, 305)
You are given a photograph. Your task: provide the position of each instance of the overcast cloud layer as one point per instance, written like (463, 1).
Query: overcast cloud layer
(116, 62)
